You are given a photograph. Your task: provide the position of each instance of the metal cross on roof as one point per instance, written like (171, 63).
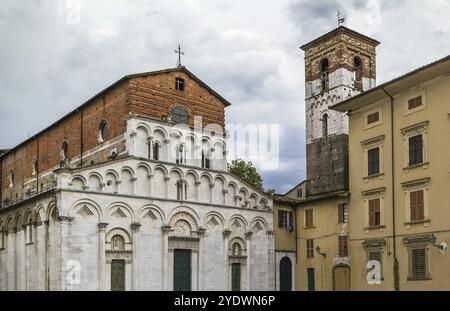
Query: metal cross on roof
(179, 52)
(340, 19)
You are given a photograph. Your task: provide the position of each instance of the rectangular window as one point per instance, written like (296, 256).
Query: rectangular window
(418, 264)
(343, 214)
(415, 150)
(373, 161)
(373, 118)
(284, 219)
(309, 248)
(179, 84)
(343, 246)
(417, 205)
(374, 213)
(309, 218)
(414, 102)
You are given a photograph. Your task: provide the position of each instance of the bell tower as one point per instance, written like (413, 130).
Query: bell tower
(338, 65)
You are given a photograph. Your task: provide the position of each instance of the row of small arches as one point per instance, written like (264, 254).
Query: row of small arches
(145, 181)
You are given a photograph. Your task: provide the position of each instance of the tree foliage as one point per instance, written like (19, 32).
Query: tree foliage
(247, 172)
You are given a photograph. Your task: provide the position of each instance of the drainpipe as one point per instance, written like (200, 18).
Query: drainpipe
(394, 235)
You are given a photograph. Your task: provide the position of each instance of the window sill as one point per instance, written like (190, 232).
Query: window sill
(375, 228)
(418, 222)
(379, 176)
(411, 167)
(309, 228)
(411, 279)
(30, 243)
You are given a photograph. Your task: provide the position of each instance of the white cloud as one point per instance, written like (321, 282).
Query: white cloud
(246, 50)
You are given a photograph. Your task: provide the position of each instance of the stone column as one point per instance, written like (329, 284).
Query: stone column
(150, 178)
(200, 274)
(211, 195)
(135, 231)
(248, 240)
(133, 143)
(165, 257)
(64, 223)
(197, 192)
(167, 147)
(271, 260)
(102, 256)
(149, 143)
(225, 196)
(226, 236)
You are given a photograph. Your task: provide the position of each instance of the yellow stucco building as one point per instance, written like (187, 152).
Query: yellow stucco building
(399, 216)
(372, 213)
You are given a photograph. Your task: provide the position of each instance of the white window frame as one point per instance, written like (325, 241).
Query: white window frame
(411, 95)
(408, 187)
(377, 142)
(375, 124)
(411, 131)
(373, 195)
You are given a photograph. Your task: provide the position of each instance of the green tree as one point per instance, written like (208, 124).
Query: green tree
(247, 172)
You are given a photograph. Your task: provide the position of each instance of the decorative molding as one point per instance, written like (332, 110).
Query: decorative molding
(102, 226)
(248, 235)
(420, 182)
(373, 141)
(416, 127)
(374, 243)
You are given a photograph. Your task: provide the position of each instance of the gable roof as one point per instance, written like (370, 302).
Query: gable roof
(123, 79)
(340, 29)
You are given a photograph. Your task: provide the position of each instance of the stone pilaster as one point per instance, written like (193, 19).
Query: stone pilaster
(102, 255)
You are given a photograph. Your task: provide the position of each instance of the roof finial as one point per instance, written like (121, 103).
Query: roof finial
(340, 19)
(179, 52)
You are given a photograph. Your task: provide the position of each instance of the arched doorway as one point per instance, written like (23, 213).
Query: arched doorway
(285, 274)
(341, 278)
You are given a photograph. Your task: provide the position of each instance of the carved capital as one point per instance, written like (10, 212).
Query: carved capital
(166, 228)
(201, 231)
(102, 226)
(66, 218)
(226, 233)
(248, 235)
(135, 226)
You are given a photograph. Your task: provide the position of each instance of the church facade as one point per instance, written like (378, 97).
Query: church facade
(129, 192)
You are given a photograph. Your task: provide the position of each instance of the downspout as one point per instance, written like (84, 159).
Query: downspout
(394, 235)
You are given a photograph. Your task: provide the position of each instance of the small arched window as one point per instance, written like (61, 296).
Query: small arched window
(324, 69)
(205, 159)
(325, 125)
(64, 151)
(357, 68)
(117, 243)
(155, 151)
(236, 249)
(29, 229)
(103, 128)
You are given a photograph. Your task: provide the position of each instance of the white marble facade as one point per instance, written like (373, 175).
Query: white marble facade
(139, 210)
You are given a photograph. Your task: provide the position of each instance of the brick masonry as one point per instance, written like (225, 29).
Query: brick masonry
(148, 95)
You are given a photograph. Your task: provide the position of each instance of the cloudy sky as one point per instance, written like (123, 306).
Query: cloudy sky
(55, 54)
